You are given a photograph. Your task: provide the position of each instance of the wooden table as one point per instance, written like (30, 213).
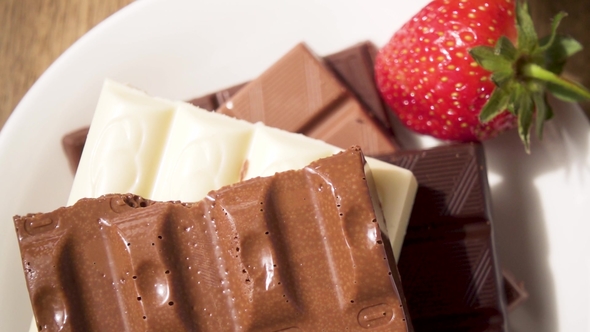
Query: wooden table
(33, 33)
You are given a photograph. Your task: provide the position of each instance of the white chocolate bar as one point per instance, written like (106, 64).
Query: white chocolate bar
(165, 150)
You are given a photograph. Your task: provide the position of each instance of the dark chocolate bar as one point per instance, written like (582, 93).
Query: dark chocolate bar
(300, 94)
(448, 262)
(267, 254)
(354, 67)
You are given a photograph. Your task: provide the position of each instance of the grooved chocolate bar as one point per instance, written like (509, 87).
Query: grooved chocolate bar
(448, 263)
(300, 94)
(299, 251)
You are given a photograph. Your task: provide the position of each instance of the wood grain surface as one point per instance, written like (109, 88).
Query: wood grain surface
(33, 33)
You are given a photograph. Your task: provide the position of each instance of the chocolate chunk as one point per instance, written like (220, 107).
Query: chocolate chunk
(300, 94)
(448, 262)
(354, 67)
(299, 251)
(73, 145)
(213, 100)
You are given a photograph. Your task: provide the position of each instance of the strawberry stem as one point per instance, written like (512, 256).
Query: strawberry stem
(571, 91)
(525, 71)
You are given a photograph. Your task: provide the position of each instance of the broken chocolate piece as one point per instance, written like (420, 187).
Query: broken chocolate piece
(73, 145)
(354, 67)
(299, 251)
(448, 263)
(214, 100)
(300, 94)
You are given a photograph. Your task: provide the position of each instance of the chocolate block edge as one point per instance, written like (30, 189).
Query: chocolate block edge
(120, 221)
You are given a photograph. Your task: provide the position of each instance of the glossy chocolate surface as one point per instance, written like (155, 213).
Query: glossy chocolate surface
(448, 262)
(299, 251)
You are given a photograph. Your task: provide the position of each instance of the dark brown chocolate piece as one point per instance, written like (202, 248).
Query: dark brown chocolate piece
(354, 67)
(448, 262)
(299, 251)
(73, 145)
(300, 94)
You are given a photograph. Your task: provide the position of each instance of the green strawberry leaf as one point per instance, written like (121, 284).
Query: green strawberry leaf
(546, 43)
(542, 111)
(524, 109)
(501, 77)
(556, 54)
(486, 57)
(496, 104)
(524, 72)
(527, 36)
(506, 49)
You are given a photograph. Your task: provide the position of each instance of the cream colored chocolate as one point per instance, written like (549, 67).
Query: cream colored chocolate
(165, 150)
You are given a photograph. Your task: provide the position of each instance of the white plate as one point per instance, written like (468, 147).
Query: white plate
(181, 49)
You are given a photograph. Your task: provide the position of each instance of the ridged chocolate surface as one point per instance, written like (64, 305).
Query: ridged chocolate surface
(448, 265)
(300, 251)
(300, 94)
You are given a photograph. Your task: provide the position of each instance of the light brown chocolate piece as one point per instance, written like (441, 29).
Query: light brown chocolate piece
(300, 94)
(300, 251)
(213, 100)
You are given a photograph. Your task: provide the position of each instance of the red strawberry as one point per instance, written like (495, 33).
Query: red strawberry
(453, 71)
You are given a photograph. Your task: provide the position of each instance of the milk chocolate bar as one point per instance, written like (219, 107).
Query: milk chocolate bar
(299, 251)
(353, 66)
(300, 94)
(448, 262)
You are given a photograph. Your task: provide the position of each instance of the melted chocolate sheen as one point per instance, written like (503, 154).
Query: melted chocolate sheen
(299, 251)
(448, 261)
